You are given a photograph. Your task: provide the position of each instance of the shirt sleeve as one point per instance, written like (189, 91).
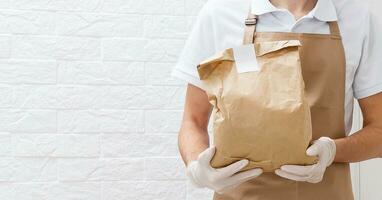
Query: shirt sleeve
(199, 45)
(368, 76)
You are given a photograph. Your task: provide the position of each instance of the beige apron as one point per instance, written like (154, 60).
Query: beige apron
(323, 67)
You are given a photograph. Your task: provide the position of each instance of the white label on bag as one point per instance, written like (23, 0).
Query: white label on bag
(245, 58)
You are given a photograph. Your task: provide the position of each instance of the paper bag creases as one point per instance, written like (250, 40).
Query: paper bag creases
(262, 116)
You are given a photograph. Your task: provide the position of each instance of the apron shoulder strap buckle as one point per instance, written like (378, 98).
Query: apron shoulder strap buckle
(251, 21)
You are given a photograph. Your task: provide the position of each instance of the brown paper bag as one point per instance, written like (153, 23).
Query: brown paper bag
(263, 115)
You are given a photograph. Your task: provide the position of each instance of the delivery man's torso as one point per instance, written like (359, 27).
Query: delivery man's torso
(224, 28)
(349, 55)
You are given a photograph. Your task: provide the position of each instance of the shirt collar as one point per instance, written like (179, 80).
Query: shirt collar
(324, 9)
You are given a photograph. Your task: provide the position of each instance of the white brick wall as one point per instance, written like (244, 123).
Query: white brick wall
(88, 110)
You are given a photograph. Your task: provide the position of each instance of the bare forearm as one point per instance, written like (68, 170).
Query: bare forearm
(192, 141)
(363, 145)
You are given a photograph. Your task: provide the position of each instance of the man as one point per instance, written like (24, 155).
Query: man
(219, 26)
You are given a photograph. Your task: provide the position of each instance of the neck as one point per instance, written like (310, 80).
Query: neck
(298, 8)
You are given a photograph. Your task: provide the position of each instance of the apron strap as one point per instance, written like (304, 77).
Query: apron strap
(250, 28)
(334, 29)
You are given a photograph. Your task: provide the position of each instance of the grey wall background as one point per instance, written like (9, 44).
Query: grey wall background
(88, 110)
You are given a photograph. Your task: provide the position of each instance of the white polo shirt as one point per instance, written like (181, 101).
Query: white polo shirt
(220, 25)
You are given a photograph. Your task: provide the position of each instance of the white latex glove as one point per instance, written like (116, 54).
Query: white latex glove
(325, 149)
(201, 174)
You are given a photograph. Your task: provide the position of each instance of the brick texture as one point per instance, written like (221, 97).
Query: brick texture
(88, 110)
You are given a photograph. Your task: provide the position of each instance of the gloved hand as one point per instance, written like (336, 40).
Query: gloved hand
(201, 174)
(325, 149)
